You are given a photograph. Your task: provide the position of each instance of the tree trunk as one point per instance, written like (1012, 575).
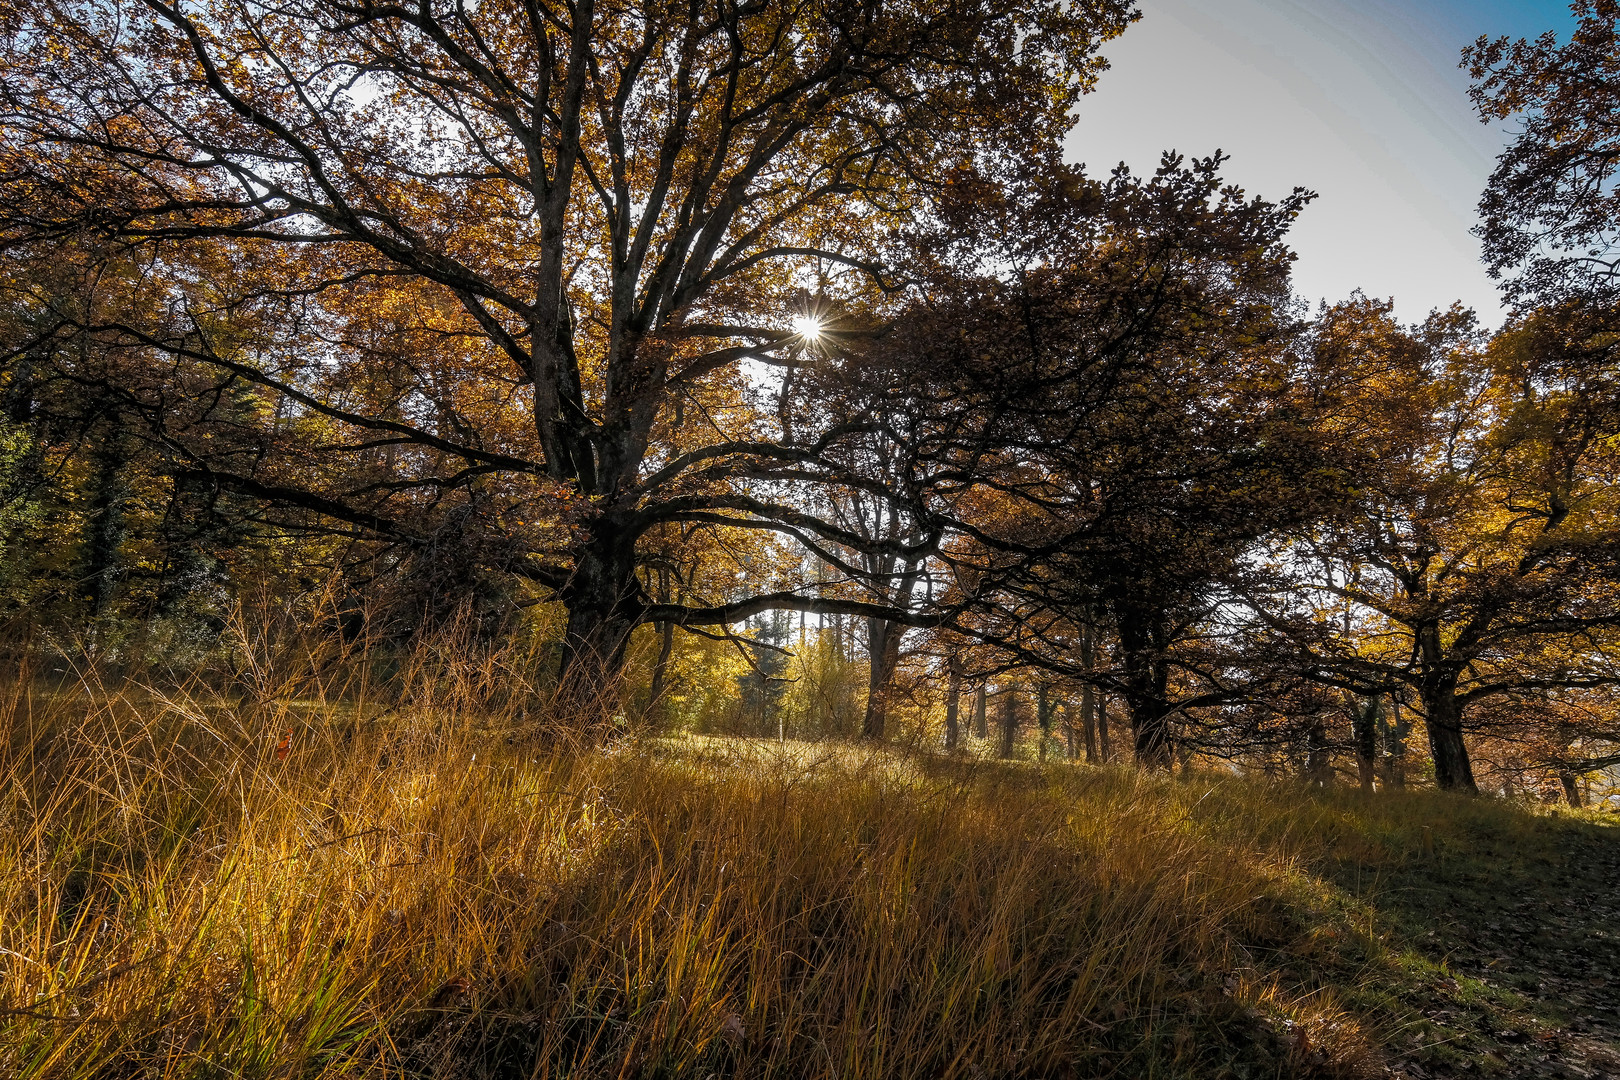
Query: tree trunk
(1443, 718)
(981, 723)
(666, 648)
(1009, 722)
(660, 673)
(601, 600)
(1143, 641)
(1365, 717)
(1088, 694)
(953, 700)
(1102, 729)
(1088, 721)
(1043, 717)
(1152, 736)
(1317, 768)
(883, 646)
(1395, 745)
(1572, 788)
(1442, 714)
(106, 519)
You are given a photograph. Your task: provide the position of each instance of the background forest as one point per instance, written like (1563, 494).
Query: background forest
(386, 384)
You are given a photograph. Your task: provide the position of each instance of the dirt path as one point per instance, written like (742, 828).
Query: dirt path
(1531, 933)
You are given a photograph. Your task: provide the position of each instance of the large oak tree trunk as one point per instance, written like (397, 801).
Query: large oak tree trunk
(603, 605)
(1443, 718)
(1150, 721)
(1442, 713)
(1146, 687)
(953, 701)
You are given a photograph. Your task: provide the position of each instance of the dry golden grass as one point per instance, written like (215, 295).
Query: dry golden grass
(424, 893)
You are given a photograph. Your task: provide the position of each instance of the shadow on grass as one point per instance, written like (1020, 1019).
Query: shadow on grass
(1498, 929)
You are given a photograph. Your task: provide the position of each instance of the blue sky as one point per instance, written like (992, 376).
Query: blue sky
(1362, 102)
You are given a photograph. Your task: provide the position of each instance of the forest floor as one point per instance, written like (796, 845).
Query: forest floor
(1520, 918)
(197, 888)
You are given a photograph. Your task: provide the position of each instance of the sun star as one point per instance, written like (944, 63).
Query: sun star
(807, 327)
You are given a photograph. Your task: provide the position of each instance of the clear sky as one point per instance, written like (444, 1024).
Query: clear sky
(1360, 100)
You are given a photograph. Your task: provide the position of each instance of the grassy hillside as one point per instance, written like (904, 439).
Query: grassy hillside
(416, 894)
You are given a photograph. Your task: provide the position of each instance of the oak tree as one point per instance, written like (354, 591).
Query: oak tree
(514, 250)
(1476, 555)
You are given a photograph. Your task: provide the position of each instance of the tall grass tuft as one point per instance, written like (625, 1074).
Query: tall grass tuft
(185, 891)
